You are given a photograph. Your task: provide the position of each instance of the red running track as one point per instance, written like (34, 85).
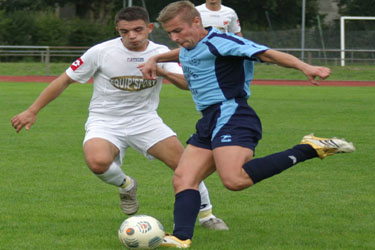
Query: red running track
(255, 81)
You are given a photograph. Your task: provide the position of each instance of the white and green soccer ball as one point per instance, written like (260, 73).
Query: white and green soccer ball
(141, 232)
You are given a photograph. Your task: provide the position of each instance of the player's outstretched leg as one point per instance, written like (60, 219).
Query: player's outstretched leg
(128, 196)
(328, 146)
(310, 147)
(206, 218)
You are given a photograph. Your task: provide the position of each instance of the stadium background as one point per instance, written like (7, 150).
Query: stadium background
(270, 22)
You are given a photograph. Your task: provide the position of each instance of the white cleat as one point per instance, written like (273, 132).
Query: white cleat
(328, 146)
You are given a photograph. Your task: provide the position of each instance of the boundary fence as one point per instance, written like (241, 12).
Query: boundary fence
(312, 56)
(43, 53)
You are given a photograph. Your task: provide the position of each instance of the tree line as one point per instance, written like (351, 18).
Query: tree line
(86, 22)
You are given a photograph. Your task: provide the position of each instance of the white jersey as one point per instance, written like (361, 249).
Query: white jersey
(119, 87)
(225, 19)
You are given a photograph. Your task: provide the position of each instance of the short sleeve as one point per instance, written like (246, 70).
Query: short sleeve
(82, 69)
(172, 67)
(226, 44)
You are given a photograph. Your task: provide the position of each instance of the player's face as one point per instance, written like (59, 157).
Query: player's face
(186, 34)
(134, 34)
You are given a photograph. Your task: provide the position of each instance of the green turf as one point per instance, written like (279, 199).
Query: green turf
(50, 200)
(262, 71)
(31, 69)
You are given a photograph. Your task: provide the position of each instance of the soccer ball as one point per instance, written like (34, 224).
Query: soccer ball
(141, 232)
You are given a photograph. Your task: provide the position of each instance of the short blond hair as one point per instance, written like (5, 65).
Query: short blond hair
(186, 9)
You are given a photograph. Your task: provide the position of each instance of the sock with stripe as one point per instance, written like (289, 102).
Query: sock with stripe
(262, 168)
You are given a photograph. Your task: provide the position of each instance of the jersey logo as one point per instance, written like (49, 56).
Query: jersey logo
(195, 61)
(76, 64)
(189, 73)
(226, 22)
(226, 138)
(136, 59)
(132, 83)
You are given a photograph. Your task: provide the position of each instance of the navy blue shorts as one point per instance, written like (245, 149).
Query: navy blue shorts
(230, 123)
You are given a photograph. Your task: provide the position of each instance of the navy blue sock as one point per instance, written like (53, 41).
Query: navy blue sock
(262, 168)
(186, 209)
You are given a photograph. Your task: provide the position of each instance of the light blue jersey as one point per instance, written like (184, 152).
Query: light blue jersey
(220, 67)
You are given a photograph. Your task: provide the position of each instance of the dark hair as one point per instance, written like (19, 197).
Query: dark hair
(132, 14)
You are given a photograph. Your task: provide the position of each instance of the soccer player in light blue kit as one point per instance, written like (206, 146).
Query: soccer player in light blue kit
(218, 68)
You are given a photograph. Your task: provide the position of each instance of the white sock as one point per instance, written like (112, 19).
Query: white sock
(204, 216)
(114, 175)
(205, 211)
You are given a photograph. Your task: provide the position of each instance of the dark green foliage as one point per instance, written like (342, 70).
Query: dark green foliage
(50, 30)
(358, 8)
(26, 5)
(43, 28)
(4, 23)
(38, 22)
(86, 33)
(20, 30)
(286, 14)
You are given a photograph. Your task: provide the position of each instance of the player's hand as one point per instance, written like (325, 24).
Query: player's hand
(313, 72)
(25, 119)
(149, 69)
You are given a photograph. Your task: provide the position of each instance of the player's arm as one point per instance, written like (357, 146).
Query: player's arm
(150, 67)
(177, 79)
(290, 61)
(28, 117)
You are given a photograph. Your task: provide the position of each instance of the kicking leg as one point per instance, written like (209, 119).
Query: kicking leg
(310, 147)
(238, 171)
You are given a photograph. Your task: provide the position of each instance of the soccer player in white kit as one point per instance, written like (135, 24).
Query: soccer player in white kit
(214, 14)
(123, 108)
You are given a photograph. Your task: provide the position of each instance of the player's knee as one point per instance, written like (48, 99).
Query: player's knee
(177, 180)
(181, 181)
(98, 165)
(234, 184)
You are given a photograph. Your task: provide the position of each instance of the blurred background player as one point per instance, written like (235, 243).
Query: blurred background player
(123, 108)
(214, 14)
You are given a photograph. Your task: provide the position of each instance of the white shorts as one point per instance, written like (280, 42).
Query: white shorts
(139, 132)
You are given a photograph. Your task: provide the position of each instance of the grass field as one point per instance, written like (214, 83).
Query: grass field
(263, 71)
(50, 200)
